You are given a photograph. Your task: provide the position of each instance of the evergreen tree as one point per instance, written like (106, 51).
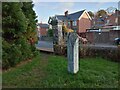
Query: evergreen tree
(31, 17)
(17, 25)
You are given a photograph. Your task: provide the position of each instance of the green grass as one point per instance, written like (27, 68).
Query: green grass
(51, 71)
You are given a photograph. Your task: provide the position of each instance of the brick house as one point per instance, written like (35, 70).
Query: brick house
(98, 22)
(42, 29)
(78, 21)
(108, 21)
(113, 19)
(108, 29)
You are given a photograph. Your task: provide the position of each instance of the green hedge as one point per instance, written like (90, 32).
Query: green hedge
(108, 53)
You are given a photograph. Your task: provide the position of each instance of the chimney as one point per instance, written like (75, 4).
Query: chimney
(117, 12)
(66, 13)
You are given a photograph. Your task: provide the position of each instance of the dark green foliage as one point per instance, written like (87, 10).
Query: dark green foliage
(50, 32)
(19, 24)
(109, 53)
(31, 19)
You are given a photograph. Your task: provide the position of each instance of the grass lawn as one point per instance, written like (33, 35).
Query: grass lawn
(48, 70)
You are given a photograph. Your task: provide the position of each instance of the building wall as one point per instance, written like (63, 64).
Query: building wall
(96, 23)
(112, 20)
(43, 31)
(84, 23)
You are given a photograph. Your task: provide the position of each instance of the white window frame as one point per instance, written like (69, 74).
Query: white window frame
(116, 20)
(74, 23)
(108, 21)
(68, 23)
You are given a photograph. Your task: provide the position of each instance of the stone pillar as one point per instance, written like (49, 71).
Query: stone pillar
(55, 34)
(73, 52)
(60, 36)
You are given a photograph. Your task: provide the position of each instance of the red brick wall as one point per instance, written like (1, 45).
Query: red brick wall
(112, 20)
(43, 31)
(84, 23)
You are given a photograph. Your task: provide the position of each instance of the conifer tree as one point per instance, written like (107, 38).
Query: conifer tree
(17, 27)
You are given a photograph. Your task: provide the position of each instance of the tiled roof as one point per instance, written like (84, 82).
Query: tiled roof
(76, 15)
(73, 16)
(43, 25)
(61, 17)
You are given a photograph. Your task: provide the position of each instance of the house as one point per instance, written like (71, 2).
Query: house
(107, 21)
(113, 18)
(108, 29)
(98, 22)
(112, 21)
(42, 29)
(78, 21)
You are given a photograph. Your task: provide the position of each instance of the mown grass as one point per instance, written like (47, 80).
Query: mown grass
(48, 71)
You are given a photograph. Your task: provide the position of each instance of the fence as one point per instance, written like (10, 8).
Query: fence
(102, 37)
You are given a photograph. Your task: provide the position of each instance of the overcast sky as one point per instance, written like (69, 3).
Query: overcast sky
(46, 9)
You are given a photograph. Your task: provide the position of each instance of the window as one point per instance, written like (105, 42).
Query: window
(74, 23)
(94, 22)
(116, 20)
(108, 21)
(64, 22)
(68, 23)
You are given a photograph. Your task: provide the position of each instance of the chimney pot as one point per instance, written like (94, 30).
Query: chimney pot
(66, 13)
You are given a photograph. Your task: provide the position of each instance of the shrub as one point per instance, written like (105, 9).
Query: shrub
(60, 50)
(50, 32)
(108, 53)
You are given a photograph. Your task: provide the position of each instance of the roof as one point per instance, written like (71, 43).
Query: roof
(73, 16)
(43, 25)
(61, 17)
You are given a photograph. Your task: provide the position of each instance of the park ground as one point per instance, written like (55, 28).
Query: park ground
(50, 71)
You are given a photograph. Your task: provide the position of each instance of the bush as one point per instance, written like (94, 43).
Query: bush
(50, 33)
(60, 50)
(107, 53)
